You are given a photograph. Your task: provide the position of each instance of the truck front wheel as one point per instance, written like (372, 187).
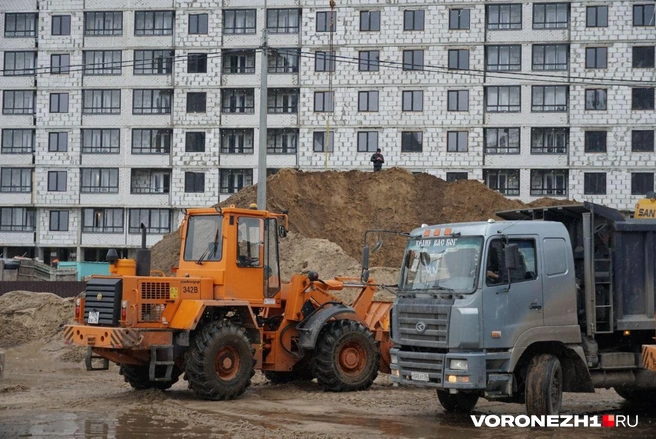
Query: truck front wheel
(457, 402)
(544, 385)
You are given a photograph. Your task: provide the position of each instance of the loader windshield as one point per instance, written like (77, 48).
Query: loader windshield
(441, 264)
(204, 238)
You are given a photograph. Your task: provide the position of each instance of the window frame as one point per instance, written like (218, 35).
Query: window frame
(507, 67)
(455, 176)
(456, 20)
(114, 98)
(555, 175)
(412, 141)
(364, 60)
(326, 103)
(511, 106)
(594, 17)
(245, 173)
(152, 212)
(595, 141)
(237, 140)
(28, 17)
(538, 91)
(237, 62)
(324, 61)
(160, 62)
(592, 187)
(111, 135)
(458, 59)
(319, 139)
(16, 56)
(24, 175)
(62, 23)
(454, 139)
(642, 106)
(282, 141)
(414, 20)
(551, 138)
(366, 17)
(196, 102)
(104, 31)
(153, 16)
(99, 69)
(287, 26)
(15, 109)
(58, 102)
(413, 64)
(57, 217)
(57, 181)
(162, 93)
(197, 182)
(647, 64)
(644, 15)
(413, 99)
(634, 183)
(198, 24)
(368, 101)
(247, 95)
(143, 139)
(593, 101)
(57, 68)
(59, 135)
(235, 26)
(546, 66)
(549, 24)
(102, 173)
(514, 22)
(195, 141)
(509, 176)
(367, 140)
(10, 136)
(593, 60)
(282, 56)
(509, 133)
(638, 136)
(458, 100)
(27, 219)
(103, 215)
(197, 62)
(285, 100)
(323, 24)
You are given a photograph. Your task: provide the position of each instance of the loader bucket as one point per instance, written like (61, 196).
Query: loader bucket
(377, 320)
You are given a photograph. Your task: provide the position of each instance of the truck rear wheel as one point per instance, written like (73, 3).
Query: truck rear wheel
(346, 357)
(138, 377)
(636, 395)
(457, 402)
(219, 364)
(544, 385)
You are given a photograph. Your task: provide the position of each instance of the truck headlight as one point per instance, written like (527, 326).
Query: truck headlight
(394, 359)
(458, 364)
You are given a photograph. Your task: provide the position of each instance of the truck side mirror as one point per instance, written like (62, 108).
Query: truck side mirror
(511, 254)
(425, 259)
(282, 232)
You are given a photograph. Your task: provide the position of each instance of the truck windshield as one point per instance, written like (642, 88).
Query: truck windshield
(204, 238)
(441, 264)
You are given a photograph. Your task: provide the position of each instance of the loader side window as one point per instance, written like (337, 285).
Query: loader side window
(204, 239)
(249, 238)
(271, 259)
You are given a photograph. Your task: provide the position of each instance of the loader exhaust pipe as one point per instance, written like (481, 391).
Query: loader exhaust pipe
(143, 255)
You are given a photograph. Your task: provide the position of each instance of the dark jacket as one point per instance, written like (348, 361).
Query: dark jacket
(378, 160)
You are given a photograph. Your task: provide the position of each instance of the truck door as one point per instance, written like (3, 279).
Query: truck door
(512, 299)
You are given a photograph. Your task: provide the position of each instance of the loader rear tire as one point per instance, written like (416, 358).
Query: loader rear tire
(544, 385)
(458, 402)
(138, 377)
(219, 364)
(636, 395)
(346, 357)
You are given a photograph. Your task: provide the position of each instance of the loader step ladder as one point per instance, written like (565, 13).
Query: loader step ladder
(89, 361)
(161, 355)
(603, 272)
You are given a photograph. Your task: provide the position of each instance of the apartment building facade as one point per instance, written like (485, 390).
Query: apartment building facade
(123, 113)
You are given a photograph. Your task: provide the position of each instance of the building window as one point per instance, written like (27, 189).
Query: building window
(504, 17)
(367, 141)
(59, 102)
(502, 99)
(58, 142)
(238, 100)
(458, 100)
(369, 21)
(61, 25)
(596, 16)
(103, 23)
(595, 57)
(642, 98)
(234, 180)
(239, 21)
(594, 183)
(238, 61)
(643, 57)
(101, 101)
(17, 219)
(283, 21)
(413, 100)
(18, 102)
(413, 60)
(502, 141)
(195, 141)
(20, 25)
(157, 221)
(194, 182)
(150, 181)
(282, 140)
(152, 101)
(642, 140)
(101, 141)
(283, 60)
(324, 61)
(323, 101)
(17, 141)
(595, 99)
(455, 176)
(457, 141)
(102, 220)
(20, 63)
(197, 63)
(369, 60)
(15, 180)
(102, 62)
(196, 102)
(237, 141)
(326, 21)
(198, 24)
(595, 141)
(413, 20)
(151, 141)
(548, 182)
(153, 62)
(60, 64)
(549, 98)
(458, 19)
(411, 141)
(59, 220)
(550, 56)
(153, 23)
(503, 58)
(319, 141)
(99, 180)
(642, 182)
(549, 140)
(505, 181)
(643, 15)
(459, 59)
(551, 16)
(282, 100)
(368, 101)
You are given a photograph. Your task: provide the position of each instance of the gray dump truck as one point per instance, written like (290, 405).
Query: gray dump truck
(550, 300)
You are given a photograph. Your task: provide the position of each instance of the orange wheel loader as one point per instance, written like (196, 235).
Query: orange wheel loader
(226, 313)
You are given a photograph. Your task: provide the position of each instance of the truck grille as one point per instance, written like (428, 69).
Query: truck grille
(103, 296)
(426, 362)
(155, 291)
(422, 322)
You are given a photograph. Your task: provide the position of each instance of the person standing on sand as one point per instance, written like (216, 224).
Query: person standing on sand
(378, 160)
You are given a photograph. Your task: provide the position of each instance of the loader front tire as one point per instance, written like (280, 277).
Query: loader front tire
(219, 364)
(138, 377)
(544, 385)
(346, 357)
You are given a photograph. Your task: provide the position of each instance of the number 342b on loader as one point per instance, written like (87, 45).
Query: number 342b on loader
(227, 313)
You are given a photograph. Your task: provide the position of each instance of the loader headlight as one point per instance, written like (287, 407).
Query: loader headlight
(458, 364)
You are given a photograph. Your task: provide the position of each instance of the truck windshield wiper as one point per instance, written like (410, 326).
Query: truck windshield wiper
(212, 247)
